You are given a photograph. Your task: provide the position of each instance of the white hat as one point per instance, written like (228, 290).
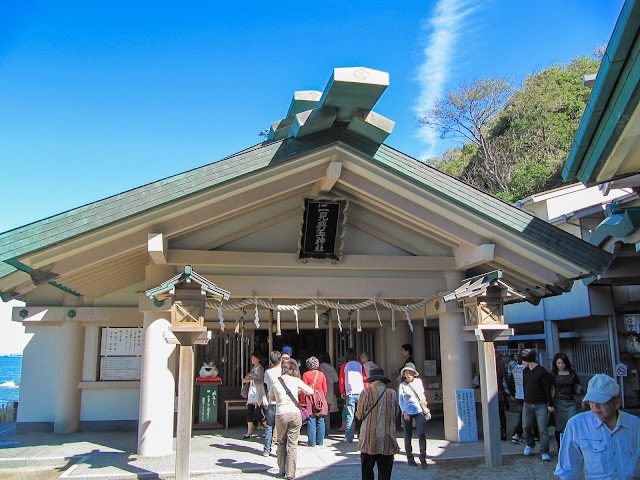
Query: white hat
(411, 367)
(601, 389)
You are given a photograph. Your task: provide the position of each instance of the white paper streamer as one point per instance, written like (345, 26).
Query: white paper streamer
(358, 321)
(278, 332)
(406, 312)
(237, 329)
(221, 319)
(424, 315)
(375, 304)
(393, 319)
(295, 311)
(317, 325)
(338, 315)
(256, 320)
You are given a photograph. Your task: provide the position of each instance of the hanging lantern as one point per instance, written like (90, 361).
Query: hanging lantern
(484, 309)
(188, 292)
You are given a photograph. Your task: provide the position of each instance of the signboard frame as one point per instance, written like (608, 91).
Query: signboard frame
(120, 354)
(322, 235)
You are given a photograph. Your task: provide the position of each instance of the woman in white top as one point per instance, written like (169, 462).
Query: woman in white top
(257, 400)
(288, 418)
(411, 398)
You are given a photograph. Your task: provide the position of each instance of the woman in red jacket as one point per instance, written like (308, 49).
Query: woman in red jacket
(316, 403)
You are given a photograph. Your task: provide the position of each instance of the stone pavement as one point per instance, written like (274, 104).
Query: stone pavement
(220, 453)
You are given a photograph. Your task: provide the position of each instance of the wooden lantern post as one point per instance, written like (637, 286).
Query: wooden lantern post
(188, 293)
(482, 300)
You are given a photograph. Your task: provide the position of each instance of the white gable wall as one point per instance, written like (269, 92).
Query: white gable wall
(40, 375)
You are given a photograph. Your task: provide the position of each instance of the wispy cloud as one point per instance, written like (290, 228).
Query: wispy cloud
(449, 19)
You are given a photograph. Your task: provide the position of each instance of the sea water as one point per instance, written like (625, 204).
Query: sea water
(10, 369)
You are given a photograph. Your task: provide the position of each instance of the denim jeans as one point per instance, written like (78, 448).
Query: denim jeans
(350, 405)
(518, 428)
(315, 431)
(268, 429)
(539, 413)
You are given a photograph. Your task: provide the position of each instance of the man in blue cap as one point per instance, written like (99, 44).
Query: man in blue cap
(287, 351)
(604, 441)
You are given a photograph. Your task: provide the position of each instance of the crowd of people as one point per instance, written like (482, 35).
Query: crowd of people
(601, 442)
(278, 394)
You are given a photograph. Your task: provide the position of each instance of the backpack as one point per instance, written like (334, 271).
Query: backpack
(316, 402)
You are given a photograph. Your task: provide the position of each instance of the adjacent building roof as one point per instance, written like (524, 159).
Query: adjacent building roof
(607, 143)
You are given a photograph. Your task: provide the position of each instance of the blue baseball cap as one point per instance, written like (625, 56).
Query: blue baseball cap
(287, 350)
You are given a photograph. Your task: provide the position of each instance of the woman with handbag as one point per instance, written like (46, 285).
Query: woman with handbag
(316, 403)
(413, 405)
(377, 410)
(289, 416)
(256, 395)
(566, 385)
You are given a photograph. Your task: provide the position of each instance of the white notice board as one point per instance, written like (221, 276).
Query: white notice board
(120, 368)
(121, 341)
(467, 421)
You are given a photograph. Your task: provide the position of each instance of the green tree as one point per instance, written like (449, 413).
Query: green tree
(468, 114)
(520, 136)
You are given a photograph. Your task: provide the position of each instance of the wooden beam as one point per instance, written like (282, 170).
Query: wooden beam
(325, 184)
(157, 247)
(472, 256)
(253, 260)
(334, 287)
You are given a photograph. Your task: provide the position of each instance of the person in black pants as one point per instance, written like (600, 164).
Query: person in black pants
(538, 403)
(377, 408)
(516, 390)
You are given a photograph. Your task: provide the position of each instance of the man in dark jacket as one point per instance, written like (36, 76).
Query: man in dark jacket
(538, 403)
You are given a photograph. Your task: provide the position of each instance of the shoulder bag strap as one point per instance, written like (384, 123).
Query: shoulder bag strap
(374, 405)
(315, 379)
(289, 392)
(415, 393)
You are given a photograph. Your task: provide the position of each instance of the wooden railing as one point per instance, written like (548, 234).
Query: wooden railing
(7, 412)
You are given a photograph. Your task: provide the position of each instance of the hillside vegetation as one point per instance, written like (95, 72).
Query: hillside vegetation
(513, 140)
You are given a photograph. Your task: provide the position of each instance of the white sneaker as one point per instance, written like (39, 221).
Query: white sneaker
(546, 457)
(527, 450)
(515, 438)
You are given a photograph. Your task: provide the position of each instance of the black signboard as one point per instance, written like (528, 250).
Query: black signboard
(322, 229)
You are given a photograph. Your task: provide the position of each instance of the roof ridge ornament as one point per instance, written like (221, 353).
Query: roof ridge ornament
(349, 97)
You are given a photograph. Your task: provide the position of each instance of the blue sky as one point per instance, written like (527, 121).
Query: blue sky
(100, 97)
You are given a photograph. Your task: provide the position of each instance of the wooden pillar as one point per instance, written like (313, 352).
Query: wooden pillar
(186, 340)
(185, 402)
(490, 413)
(67, 411)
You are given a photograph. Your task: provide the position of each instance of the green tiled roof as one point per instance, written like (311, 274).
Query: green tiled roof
(79, 221)
(614, 98)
